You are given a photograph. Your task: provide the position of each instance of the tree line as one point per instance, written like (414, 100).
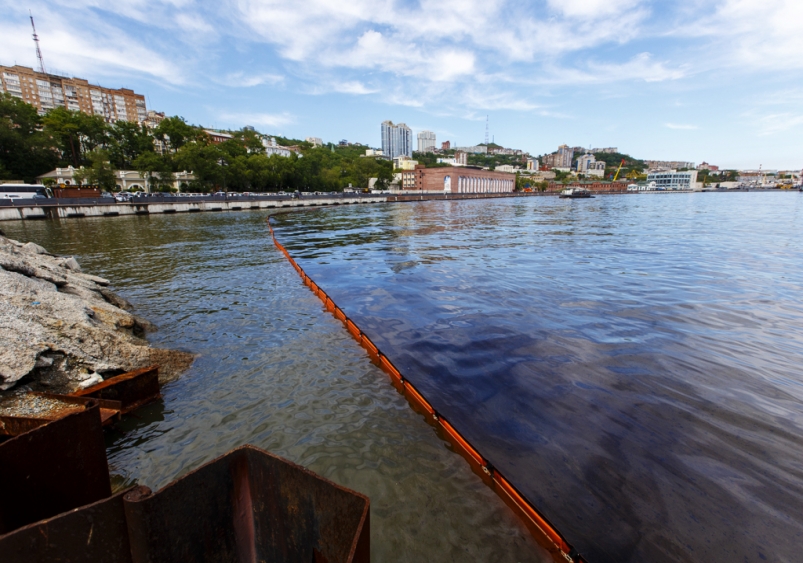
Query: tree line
(33, 144)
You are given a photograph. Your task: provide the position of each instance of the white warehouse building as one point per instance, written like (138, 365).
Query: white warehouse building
(671, 180)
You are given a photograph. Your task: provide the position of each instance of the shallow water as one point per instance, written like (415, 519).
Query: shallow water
(276, 371)
(631, 363)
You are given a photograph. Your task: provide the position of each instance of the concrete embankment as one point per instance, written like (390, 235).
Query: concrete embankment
(63, 209)
(95, 208)
(63, 330)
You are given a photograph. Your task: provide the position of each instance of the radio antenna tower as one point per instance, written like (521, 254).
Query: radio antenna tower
(486, 118)
(38, 50)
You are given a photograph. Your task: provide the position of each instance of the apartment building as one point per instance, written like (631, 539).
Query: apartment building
(397, 140)
(49, 91)
(668, 164)
(590, 166)
(426, 141)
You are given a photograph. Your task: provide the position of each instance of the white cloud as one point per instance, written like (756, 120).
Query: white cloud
(592, 9)
(248, 80)
(681, 127)
(354, 87)
(238, 120)
(111, 52)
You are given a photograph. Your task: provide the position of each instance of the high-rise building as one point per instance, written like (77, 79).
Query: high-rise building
(397, 140)
(565, 156)
(446, 145)
(48, 91)
(426, 141)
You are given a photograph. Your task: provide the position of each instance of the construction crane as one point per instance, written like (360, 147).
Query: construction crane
(619, 169)
(38, 51)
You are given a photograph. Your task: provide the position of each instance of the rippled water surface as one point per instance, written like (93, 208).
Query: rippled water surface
(276, 371)
(631, 363)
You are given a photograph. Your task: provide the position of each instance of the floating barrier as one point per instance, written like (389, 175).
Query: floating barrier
(538, 524)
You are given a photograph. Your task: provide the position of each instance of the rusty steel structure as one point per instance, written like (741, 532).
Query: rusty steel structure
(245, 506)
(115, 396)
(132, 390)
(53, 468)
(540, 527)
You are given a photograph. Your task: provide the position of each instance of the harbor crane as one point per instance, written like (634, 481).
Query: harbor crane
(619, 169)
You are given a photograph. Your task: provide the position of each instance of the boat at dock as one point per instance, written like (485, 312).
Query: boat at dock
(575, 193)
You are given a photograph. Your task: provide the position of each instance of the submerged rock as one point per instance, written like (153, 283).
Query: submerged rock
(61, 329)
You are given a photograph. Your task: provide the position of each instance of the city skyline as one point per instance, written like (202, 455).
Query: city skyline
(697, 81)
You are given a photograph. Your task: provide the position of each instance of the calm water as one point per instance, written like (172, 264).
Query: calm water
(631, 363)
(278, 372)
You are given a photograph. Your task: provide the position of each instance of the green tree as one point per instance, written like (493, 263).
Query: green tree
(101, 173)
(127, 141)
(25, 152)
(157, 169)
(174, 133)
(75, 134)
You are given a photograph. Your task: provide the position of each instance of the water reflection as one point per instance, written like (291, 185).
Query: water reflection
(631, 363)
(278, 372)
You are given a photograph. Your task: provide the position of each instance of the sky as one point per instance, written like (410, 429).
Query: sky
(692, 80)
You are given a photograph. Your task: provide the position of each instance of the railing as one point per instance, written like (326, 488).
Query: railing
(170, 198)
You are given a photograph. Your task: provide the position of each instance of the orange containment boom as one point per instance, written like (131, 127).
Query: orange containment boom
(538, 524)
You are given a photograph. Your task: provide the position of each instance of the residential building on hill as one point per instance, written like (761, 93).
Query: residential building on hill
(49, 91)
(314, 141)
(446, 145)
(606, 150)
(426, 141)
(705, 166)
(590, 166)
(217, 137)
(476, 149)
(668, 164)
(397, 140)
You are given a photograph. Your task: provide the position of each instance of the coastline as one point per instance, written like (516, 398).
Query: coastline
(64, 330)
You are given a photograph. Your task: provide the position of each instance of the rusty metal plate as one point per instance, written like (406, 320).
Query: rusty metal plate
(95, 533)
(133, 389)
(52, 469)
(249, 505)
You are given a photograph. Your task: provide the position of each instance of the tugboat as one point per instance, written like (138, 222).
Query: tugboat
(575, 193)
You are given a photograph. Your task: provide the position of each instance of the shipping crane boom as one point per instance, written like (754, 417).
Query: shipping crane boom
(619, 169)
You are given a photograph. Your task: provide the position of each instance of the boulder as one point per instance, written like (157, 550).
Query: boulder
(62, 330)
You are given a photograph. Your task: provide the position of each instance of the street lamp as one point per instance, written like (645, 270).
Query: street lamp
(223, 163)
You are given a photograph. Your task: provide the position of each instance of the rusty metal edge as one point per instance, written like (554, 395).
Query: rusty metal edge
(538, 524)
(362, 532)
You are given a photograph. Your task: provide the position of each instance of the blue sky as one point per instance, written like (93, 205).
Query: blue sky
(719, 81)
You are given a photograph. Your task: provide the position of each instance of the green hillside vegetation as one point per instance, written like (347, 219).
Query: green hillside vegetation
(430, 159)
(493, 160)
(31, 145)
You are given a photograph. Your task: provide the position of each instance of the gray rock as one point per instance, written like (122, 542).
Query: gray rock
(71, 264)
(60, 327)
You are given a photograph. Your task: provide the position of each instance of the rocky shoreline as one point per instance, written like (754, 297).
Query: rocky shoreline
(62, 330)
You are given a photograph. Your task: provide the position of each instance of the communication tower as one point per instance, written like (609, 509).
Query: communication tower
(38, 50)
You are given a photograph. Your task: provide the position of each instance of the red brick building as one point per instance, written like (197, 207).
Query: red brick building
(460, 180)
(591, 186)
